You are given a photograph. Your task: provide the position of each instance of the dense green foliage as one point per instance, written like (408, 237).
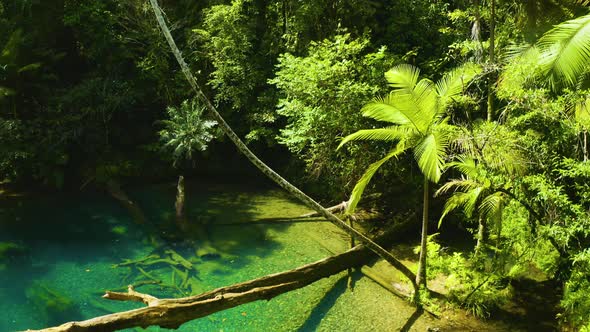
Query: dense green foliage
(88, 89)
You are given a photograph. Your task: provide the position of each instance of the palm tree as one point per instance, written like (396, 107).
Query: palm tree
(417, 111)
(269, 172)
(473, 193)
(490, 163)
(565, 52)
(185, 131)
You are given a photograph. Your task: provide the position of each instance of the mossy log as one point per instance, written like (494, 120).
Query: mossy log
(172, 313)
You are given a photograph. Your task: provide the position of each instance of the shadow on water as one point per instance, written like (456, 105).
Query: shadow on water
(321, 309)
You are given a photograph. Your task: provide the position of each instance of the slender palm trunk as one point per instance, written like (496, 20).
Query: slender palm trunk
(350, 282)
(585, 146)
(492, 58)
(481, 235)
(270, 173)
(421, 274)
(476, 33)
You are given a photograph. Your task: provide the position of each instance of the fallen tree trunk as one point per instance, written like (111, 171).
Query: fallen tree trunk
(336, 208)
(172, 313)
(272, 221)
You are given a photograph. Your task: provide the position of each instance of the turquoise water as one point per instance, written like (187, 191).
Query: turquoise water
(63, 249)
(58, 254)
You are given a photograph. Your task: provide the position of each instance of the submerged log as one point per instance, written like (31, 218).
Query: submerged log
(172, 313)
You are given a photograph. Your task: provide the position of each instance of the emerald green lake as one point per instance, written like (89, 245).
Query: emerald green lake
(58, 255)
(62, 251)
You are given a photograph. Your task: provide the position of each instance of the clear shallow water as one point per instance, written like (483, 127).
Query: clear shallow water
(57, 256)
(62, 252)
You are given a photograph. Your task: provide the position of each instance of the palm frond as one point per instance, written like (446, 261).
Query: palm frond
(418, 104)
(383, 109)
(403, 76)
(455, 82)
(462, 185)
(472, 199)
(566, 51)
(425, 99)
(454, 202)
(379, 134)
(490, 205)
(467, 166)
(430, 155)
(359, 188)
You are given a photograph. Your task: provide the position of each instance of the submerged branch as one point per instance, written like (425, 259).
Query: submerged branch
(172, 313)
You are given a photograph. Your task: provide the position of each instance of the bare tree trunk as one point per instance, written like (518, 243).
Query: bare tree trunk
(270, 173)
(179, 204)
(116, 192)
(476, 33)
(421, 274)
